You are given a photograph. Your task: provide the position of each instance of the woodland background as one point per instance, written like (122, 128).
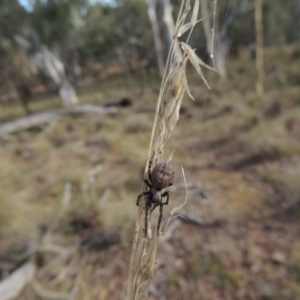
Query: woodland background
(79, 82)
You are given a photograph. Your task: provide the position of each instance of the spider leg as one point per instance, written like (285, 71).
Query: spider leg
(147, 209)
(149, 169)
(147, 183)
(161, 206)
(165, 194)
(140, 196)
(160, 216)
(154, 206)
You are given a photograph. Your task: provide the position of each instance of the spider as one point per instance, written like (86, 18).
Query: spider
(160, 177)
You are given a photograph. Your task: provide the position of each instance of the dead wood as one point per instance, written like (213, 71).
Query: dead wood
(46, 117)
(12, 286)
(198, 221)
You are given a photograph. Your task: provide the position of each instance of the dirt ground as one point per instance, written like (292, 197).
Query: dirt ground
(72, 184)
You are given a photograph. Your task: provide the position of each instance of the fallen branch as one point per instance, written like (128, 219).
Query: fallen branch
(12, 286)
(46, 117)
(198, 221)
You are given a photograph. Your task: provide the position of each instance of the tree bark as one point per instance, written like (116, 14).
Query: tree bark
(259, 48)
(207, 26)
(215, 46)
(168, 19)
(67, 93)
(156, 36)
(221, 45)
(53, 67)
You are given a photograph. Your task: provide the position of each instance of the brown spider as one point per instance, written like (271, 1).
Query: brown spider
(160, 177)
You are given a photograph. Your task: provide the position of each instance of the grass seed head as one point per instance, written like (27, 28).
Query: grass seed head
(173, 88)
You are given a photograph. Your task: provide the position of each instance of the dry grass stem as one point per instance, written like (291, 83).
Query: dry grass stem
(173, 88)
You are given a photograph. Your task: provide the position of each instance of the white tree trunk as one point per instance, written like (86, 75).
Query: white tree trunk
(213, 41)
(54, 68)
(207, 26)
(67, 94)
(168, 19)
(221, 43)
(156, 36)
(259, 48)
(221, 48)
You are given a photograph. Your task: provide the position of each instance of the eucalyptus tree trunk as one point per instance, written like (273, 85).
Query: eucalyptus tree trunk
(54, 69)
(168, 20)
(207, 26)
(221, 47)
(215, 46)
(156, 36)
(217, 37)
(259, 48)
(167, 17)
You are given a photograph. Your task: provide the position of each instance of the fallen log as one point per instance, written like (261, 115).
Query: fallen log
(11, 287)
(46, 117)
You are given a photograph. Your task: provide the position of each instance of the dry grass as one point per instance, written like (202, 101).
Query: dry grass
(174, 86)
(255, 250)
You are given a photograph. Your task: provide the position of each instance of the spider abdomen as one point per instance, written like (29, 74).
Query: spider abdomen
(162, 175)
